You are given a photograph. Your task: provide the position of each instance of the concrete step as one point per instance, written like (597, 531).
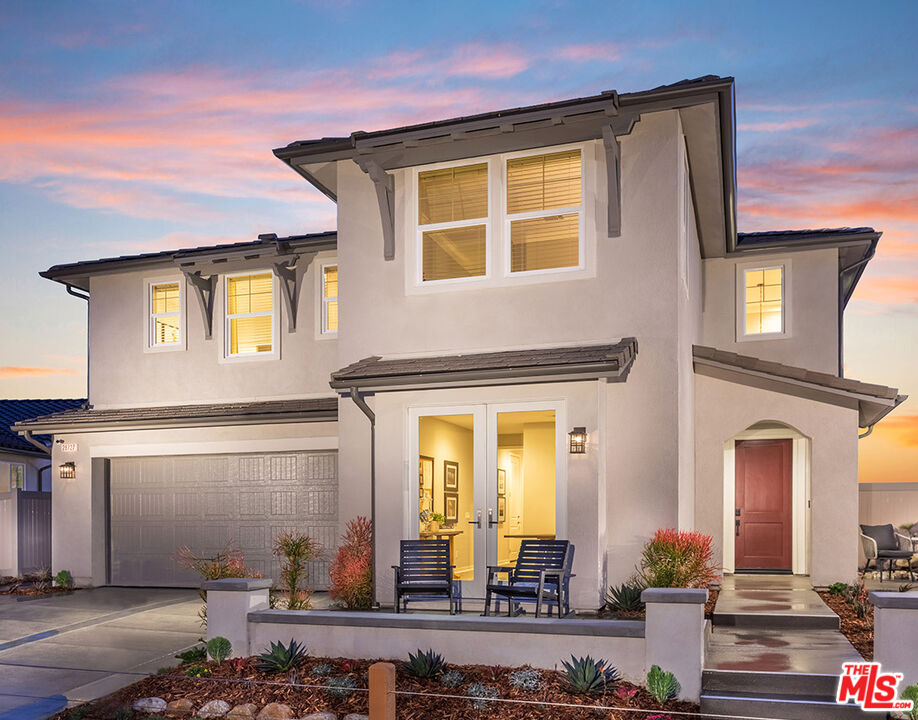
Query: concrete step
(781, 708)
(777, 684)
(777, 621)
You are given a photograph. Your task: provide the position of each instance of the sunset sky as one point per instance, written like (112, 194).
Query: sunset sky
(131, 127)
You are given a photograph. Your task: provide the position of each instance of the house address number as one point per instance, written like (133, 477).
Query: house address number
(69, 447)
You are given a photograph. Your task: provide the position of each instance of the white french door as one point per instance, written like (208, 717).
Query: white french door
(488, 476)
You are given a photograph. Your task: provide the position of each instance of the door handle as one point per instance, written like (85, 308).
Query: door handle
(477, 521)
(737, 527)
(491, 521)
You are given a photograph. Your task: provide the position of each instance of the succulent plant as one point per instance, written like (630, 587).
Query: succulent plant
(586, 676)
(624, 598)
(340, 687)
(528, 680)
(219, 648)
(193, 655)
(281, 658)
(452, 678)
(482, 694)
(662, 685)
(321, 670)
(425, 664)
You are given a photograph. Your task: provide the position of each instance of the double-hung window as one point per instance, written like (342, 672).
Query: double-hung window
(249, 314)
(17, 476)
(329, 299)
(453, 222)
(763, 309)
(544, 211)
(165, 314)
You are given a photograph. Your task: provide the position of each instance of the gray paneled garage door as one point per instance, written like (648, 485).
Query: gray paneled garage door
(159, 504)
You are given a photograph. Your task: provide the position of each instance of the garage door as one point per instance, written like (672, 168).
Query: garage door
(159, 504)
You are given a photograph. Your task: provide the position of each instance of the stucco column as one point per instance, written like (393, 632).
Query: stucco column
(895, 633)
(674, 635)
(229, 603)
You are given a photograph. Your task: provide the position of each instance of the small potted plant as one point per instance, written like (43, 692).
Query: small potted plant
(431, 520)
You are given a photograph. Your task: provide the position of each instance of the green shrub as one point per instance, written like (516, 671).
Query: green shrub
(662, 685)
(296, 549)
(586, 676)
(482, 694)
(281, 658)
(425, 664)
(528, 680)
(195, 670)
(837, 588)
(676, 558)
(452, 678)
(858, 598)
(624, 598)
(227, 563)
(196, 654)
(906, 587)
(63, 579)
(340, 687)
(911, 693)
(219, 648)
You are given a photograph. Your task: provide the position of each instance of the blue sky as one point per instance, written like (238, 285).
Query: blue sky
(127, 127)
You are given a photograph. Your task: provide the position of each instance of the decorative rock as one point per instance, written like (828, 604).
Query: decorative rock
(179, 708)
(276, 711)
(356, 716)
(246, 711)
(217, 708)
(321, 716)
(150, 705)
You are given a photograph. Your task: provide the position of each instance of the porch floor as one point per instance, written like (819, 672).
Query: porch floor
(778, 601)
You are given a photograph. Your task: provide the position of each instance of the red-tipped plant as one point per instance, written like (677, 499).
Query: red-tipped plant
(351, 572)
(676, 558)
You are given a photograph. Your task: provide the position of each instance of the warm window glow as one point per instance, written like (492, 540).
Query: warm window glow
(165, 323)
(249, 313)
(452, 215)
(538, 186)
(330, 298)
(17, 477)
(764, 301)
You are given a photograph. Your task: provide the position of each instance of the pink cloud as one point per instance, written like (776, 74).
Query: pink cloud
(591, 52)
(777, 126)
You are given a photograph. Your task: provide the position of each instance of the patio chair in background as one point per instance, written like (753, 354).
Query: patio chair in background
(542, 575)
(424, 573)
(882, 542)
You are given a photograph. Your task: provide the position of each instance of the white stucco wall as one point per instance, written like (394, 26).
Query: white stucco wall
(122, 374)
(813, 309)
(724, 409)
(77, 514)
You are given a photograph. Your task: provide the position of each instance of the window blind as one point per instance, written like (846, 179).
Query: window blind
(330, 297)
(165, 304)
(453, 194)
(250, 298)
(544, 242)
(543, 182)
(454, 253)
(764, 301)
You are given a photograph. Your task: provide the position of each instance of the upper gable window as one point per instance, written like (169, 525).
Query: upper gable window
(329, 299)
(763, 309)
(249, 314)
(452, 222)
(165, 304)
(544, 203)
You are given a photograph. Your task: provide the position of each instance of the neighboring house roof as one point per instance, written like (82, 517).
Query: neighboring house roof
(578, 362)
(13, 411)
(873, 402)
(239, 413)
(76, 273)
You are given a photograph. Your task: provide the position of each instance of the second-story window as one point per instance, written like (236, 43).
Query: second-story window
(764, 300)
(329, 298)
(453, 222)
(165, 314)
(249, 314)
(544, 203)
(17, 476)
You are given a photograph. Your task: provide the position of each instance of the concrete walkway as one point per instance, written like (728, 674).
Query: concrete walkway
(73, 648)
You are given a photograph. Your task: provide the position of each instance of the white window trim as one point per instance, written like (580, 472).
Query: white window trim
(786, 299)
(322, 304)
(21, 466)
(275, 320)
(148, 345)
(497, 236)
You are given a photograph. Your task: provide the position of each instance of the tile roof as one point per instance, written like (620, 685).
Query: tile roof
(601, 360)
(12, 411)
(315, 409)
(782, 236)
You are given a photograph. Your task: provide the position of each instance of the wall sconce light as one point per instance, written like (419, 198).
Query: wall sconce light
(578, 440)
(67, 471)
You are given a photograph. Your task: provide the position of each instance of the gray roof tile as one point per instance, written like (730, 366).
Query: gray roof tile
(12, 411)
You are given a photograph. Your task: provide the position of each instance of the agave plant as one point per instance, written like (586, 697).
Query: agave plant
(425, 664)
(624, 598)
(281, 658)
(586, 676)
(662, 685)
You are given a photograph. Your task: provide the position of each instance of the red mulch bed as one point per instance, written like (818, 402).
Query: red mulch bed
(712, 601)
(303, 701)
(859, 631)
(642, 615)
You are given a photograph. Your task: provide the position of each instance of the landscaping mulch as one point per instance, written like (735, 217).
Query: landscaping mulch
(642, 614)
(305, 700)
(859, 631)
(712, 601)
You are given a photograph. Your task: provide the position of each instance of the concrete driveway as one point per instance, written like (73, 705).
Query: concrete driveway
(72, 648)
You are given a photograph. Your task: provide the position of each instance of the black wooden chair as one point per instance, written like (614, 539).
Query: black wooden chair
(424, 573)
(542, 575)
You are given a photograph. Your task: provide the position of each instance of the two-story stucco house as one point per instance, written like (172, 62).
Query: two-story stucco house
(547, 325)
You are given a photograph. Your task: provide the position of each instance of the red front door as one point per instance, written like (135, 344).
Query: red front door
(763, 513)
